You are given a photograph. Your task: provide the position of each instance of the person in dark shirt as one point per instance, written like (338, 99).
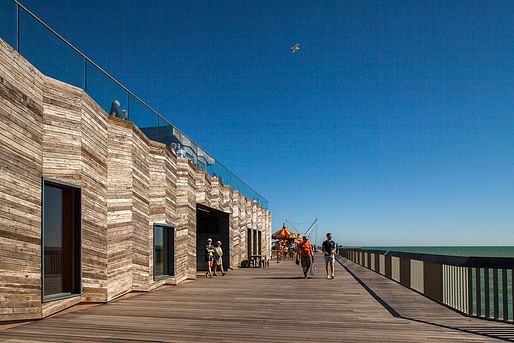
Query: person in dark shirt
(209, 257)
(329, 250)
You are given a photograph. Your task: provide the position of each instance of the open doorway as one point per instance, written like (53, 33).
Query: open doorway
(211, 223)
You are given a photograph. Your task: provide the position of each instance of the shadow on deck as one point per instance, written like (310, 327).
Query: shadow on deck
(404, 303)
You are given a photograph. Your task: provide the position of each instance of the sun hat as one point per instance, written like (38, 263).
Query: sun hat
(209, 239)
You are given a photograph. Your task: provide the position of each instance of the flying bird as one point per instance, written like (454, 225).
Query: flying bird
(295, 48)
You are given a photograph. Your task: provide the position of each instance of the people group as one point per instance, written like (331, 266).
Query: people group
(214, 258)
(304, 253)
(306, 256)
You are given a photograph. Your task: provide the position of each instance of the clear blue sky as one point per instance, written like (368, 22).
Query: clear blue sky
(394, 123)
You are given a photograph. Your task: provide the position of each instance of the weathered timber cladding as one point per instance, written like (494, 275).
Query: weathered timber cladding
(140, 212)
(119, 208)
(95, 181)
(53, 130)
(186, 221)
(235, 232)
(21, 128)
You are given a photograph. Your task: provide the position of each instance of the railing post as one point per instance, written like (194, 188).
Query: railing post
(405, 271)
(433, 280)
(388, 266)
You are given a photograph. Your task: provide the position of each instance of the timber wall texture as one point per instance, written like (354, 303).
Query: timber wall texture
(49, 129)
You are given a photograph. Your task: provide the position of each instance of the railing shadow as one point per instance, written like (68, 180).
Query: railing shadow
(501, 333)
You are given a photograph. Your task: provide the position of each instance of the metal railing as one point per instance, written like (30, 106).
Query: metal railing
(54, 56)
(475, 286)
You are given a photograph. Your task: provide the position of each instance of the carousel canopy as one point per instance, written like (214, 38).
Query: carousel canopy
(283, 233)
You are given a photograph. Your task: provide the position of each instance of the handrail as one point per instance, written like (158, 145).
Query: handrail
(462, 261)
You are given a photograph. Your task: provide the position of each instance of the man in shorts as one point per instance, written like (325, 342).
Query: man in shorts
(329, 250)
(305, 250)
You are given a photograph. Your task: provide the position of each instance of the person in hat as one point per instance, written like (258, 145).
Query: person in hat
(218, 260)
(209, 257)
(306, 252)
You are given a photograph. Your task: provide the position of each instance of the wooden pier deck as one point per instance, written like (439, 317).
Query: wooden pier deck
(259, 305)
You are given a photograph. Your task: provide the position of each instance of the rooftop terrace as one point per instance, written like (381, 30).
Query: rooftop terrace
(269, 305)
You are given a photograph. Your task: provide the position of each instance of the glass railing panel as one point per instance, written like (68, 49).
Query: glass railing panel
(8, 31)
(144, 118)
(104, 90)
(166, 135)
(48, 53)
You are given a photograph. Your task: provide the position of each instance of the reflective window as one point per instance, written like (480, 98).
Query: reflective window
(61, 240)
(162, 251)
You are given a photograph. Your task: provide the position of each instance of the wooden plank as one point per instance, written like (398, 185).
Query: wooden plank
(21, 111)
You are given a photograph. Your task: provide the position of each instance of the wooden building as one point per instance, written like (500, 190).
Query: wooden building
(91, 209)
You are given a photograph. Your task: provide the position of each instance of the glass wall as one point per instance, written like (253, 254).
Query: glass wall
(61, 240)
(54, 56)
(8, 20)
(49, 53)
(163, 251)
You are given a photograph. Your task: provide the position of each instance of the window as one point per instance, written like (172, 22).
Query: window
(61, 240)
(163, 251)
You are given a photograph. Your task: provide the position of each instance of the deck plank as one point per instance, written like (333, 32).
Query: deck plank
(248, 305)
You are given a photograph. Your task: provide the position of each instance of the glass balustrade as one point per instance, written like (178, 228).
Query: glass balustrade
(55, 57)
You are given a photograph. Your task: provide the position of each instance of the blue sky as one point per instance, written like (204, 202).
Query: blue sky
(393, 125)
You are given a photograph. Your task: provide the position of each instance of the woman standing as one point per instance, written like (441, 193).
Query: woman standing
(209, 257)
(218, 260)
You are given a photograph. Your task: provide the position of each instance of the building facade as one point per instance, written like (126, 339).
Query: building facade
(91, 208)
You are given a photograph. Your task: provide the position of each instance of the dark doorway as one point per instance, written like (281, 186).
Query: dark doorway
(61, 240)
(249, 243)
(259, 242)
(163, 251)
(211, 223)
(254, 241)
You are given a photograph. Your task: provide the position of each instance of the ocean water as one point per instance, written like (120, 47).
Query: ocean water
(480, 251)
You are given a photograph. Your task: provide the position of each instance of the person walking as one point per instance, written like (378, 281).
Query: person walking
(329, 251)
(209, 257)
(305, 250)
(218, 260)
